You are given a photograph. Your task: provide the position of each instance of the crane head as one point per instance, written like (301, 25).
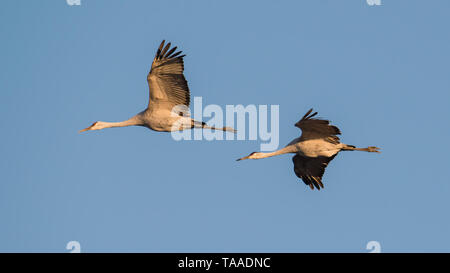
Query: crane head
(250, 156)
(95, 126)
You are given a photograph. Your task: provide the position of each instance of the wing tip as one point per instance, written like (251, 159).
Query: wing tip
(307, 116)
(165, 52)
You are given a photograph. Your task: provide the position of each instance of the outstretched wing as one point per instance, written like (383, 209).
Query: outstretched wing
(311, 169)
(314, 128)
(166, 81)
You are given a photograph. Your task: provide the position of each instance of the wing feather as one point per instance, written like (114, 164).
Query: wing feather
(311, 169)
(167, 84)
(314, 128)
(171, 51)
(163, 52)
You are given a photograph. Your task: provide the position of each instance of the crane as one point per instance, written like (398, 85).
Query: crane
(314, 149)
(169, 97)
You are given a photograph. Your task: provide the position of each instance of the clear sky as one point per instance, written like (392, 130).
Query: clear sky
(380, 73)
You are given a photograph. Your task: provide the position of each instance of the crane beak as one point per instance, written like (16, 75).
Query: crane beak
(246, 157)
(84, 130)
(87, 129)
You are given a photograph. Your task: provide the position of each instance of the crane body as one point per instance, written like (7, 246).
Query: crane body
(168, 90)
(314, 149)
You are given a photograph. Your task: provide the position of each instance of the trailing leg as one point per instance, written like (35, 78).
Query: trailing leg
(203, 125)
(370, 149)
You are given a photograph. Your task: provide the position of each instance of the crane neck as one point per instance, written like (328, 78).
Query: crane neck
(134, 121)
(285, 150)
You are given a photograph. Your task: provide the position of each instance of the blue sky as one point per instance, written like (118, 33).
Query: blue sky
(380, 73)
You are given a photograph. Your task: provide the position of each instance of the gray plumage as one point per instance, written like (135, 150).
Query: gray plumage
(169, 97)
(314, 149)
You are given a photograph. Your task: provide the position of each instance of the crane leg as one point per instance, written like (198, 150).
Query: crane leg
(370, 149)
